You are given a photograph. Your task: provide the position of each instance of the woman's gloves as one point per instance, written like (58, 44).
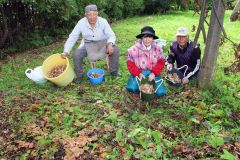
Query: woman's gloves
(150, 77)
(141, 76)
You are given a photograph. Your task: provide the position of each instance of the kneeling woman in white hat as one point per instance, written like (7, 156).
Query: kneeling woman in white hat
(146, 61)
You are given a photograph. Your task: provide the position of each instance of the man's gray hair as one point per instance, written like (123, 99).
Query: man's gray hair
(91, 7)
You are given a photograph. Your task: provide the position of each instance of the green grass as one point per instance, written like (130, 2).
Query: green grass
(43, 121)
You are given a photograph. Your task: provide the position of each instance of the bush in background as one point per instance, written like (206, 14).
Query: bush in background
(157, 6)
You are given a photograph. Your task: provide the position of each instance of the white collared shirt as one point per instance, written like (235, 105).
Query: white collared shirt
(101, 31)
(147, 48)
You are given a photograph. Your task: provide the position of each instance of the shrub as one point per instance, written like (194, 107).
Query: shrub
(158, 6)
(133, 7)
(31, 41)
(113, 10)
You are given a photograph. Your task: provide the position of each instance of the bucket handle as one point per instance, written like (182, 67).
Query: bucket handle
(158, 85)
(28, 72)
(169, 80)
(185, 69)
(138, 79)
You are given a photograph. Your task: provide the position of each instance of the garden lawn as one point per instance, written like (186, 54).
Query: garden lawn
(84, 121)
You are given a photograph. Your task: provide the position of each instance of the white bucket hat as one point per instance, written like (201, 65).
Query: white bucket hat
(182, 31)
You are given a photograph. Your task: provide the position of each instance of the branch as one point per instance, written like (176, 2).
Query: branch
(234, 15)
(201, 23)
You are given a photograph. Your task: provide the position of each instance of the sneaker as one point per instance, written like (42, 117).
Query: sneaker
(115, 74)
(78, 79)
(135, 96)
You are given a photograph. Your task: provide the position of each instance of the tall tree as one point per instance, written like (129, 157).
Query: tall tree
(212, 44)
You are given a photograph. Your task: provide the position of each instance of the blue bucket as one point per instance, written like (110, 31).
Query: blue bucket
(99, 73)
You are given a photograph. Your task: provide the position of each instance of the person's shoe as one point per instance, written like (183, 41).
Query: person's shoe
(79, 79)
(115, 74)
(135, 96)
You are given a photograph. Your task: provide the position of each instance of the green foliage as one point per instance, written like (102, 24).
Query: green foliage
(3, 1)
(227, 156)
(132, 7)
(157, 136)
(216, 141)
(112, 116)
(158, 6)
(54, 8)
(31, 41)
(231, 4)
(119, 135)
(113, 9)
(2, 54)
(151, 141)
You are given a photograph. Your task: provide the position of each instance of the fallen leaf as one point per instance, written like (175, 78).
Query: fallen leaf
(77, 151)
(82, 141)
(103, 155)
(124, 149)
(178, 148)
(92, 139)
(1, 139)
(237, 144)
(24, 144)
(108, 128)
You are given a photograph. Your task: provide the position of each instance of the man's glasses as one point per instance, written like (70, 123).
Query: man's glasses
(147, 35)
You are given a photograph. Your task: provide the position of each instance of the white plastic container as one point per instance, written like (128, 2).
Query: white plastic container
(36, 75)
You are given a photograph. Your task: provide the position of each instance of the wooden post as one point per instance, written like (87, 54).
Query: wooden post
(212, 44)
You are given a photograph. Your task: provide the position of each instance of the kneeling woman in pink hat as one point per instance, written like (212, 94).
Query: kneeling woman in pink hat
(145, 61)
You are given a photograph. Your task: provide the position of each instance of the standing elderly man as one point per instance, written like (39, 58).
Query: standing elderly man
(183, 52)
(98, 41)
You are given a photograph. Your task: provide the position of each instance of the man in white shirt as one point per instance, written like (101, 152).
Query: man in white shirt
(98, 41)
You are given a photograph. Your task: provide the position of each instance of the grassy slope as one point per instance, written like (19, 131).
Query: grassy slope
(188, 123)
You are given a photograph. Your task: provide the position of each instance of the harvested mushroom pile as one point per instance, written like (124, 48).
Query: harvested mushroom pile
(57, 70)
(147, 88)
(95, 75)
(174, 78)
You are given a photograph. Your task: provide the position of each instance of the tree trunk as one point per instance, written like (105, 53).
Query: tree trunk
(212, 45)
(4, 27)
